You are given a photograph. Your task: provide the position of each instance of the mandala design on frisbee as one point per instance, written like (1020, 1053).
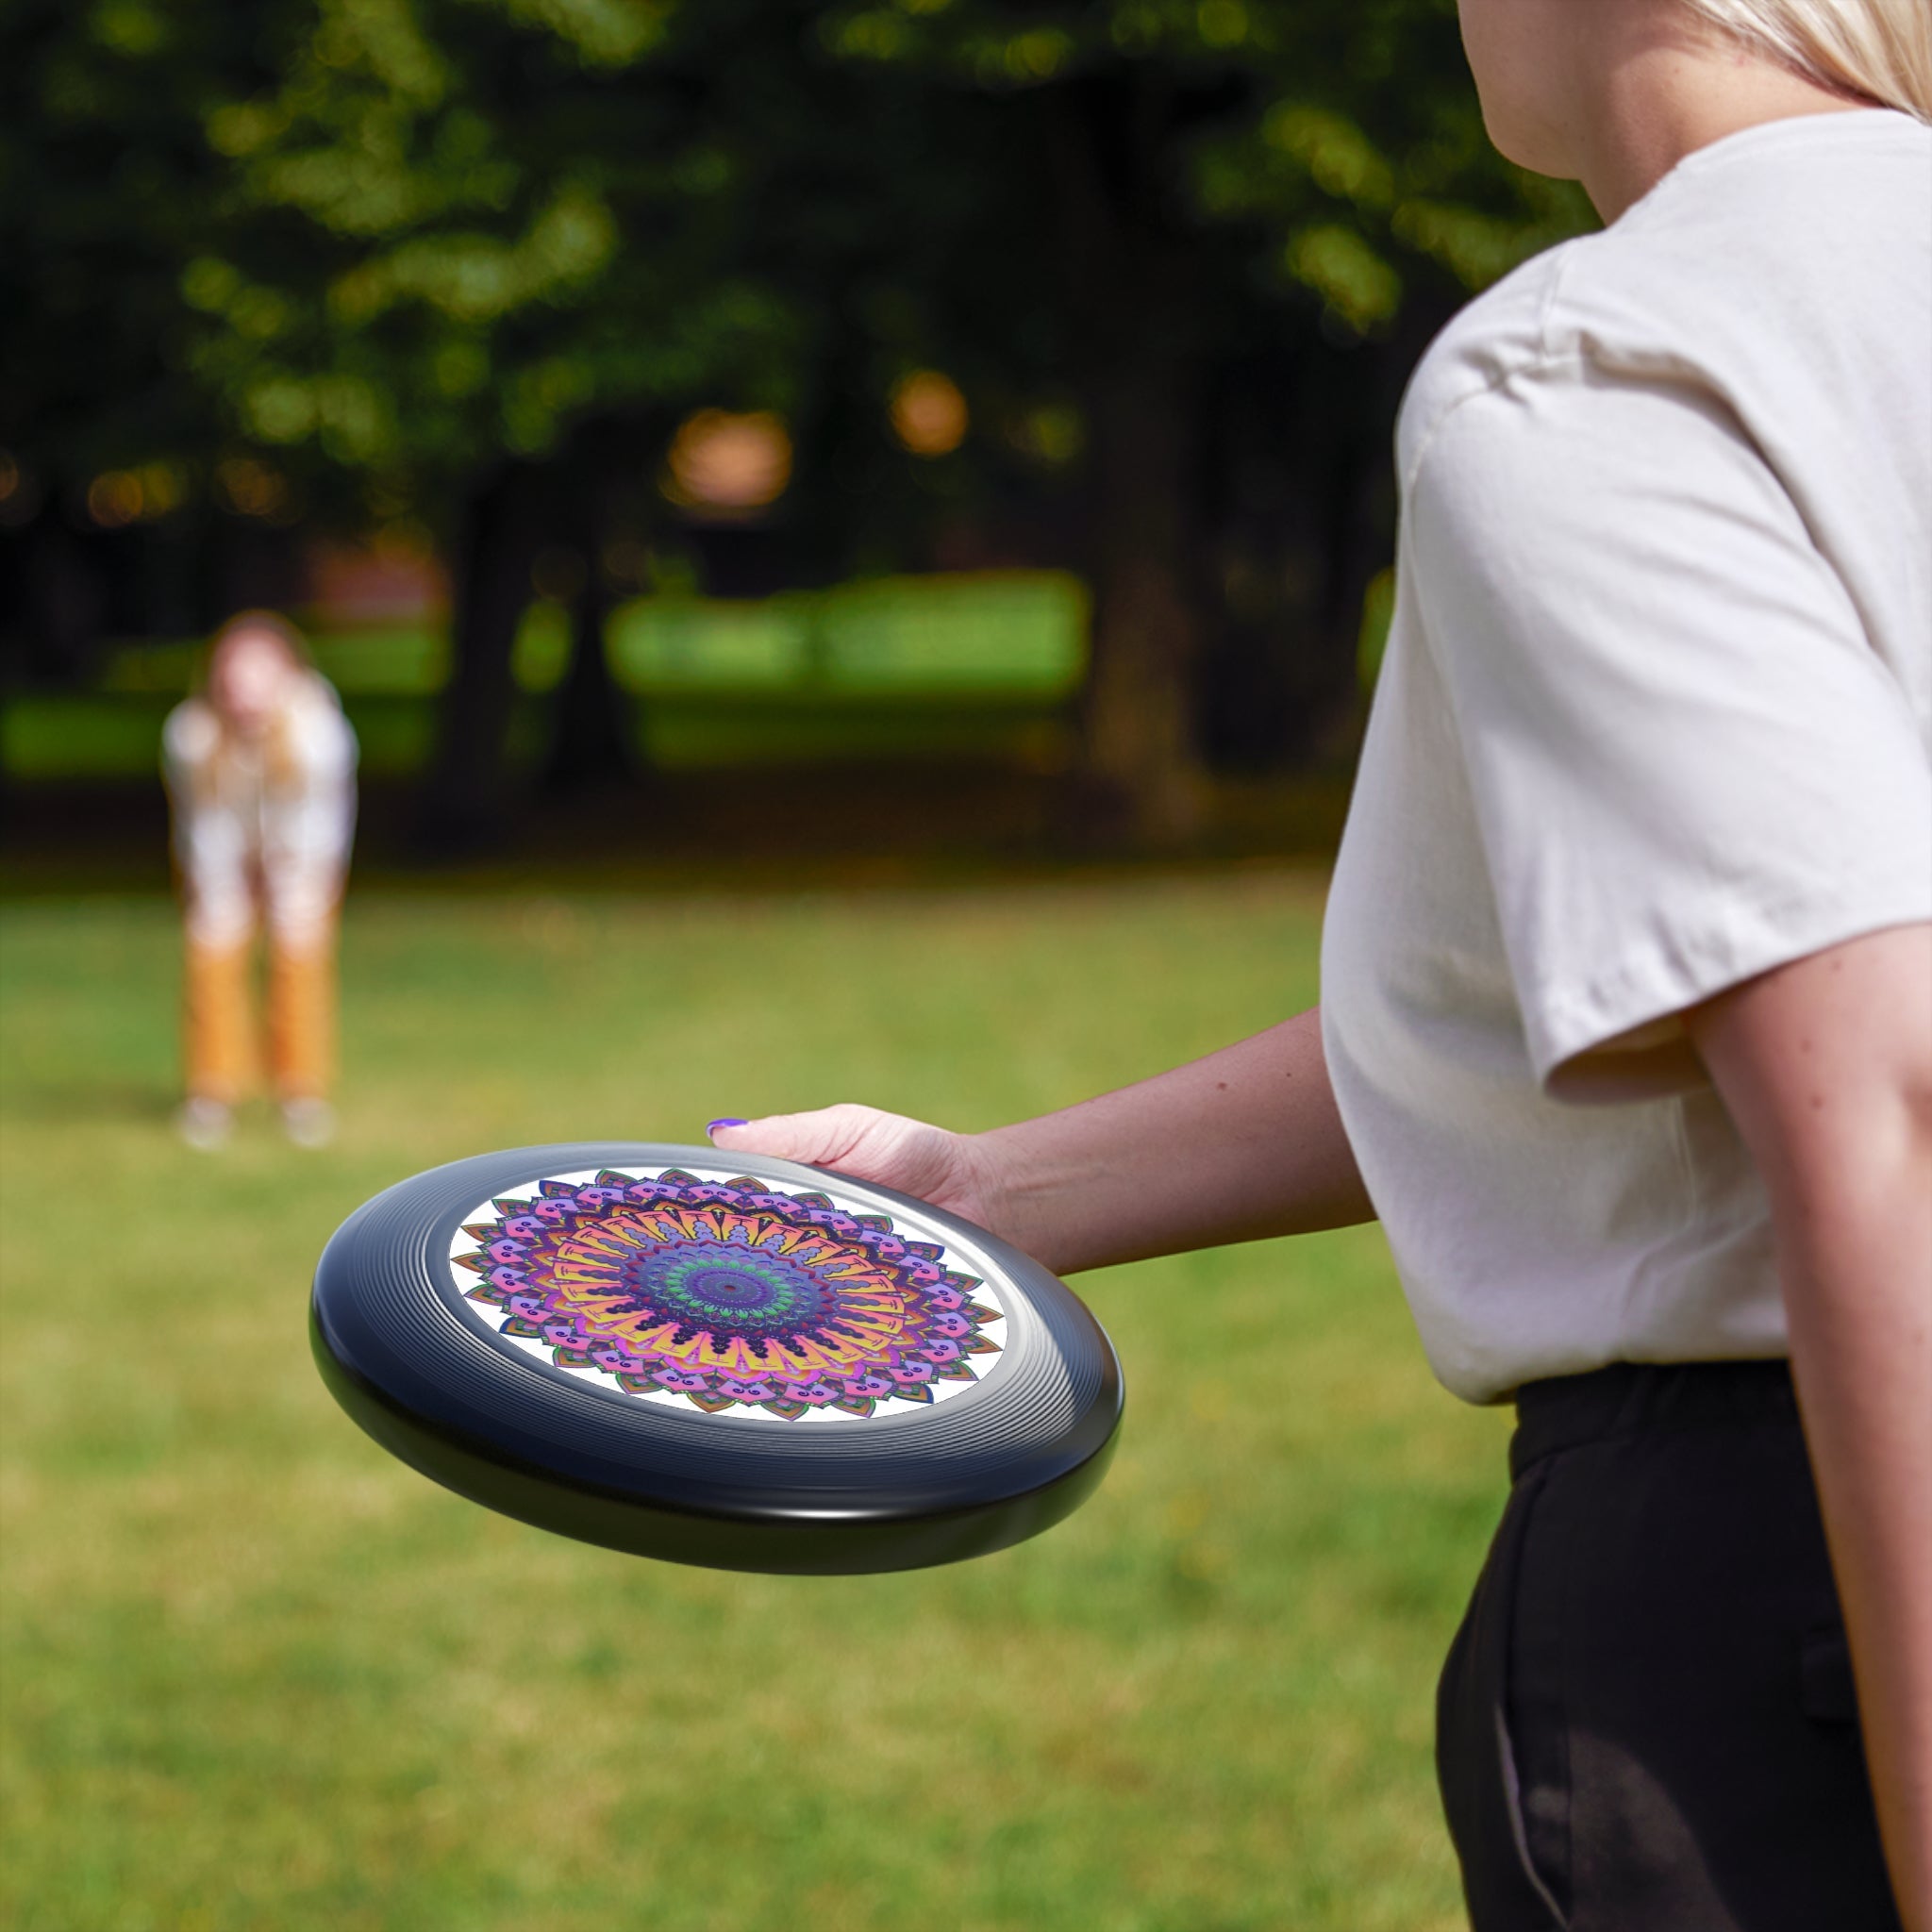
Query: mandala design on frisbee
(728, 1294)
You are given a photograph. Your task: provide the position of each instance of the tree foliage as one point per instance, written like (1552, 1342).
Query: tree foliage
(418, 254)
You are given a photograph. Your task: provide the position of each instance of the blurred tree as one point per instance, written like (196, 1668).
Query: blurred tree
(526, 240)
(1234, 194)
(1101, 214)
(469, 262)
(106, 189)
(512, 225)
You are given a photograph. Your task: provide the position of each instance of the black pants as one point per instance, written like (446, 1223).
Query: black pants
(1647, 1720)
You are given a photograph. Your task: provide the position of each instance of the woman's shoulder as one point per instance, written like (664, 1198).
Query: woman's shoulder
(1758, 265)
(1493, 337)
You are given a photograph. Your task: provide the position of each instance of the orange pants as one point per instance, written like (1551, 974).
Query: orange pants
(222, 1045)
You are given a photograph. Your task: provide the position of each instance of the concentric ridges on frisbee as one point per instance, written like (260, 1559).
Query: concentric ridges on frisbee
(1052, 1403)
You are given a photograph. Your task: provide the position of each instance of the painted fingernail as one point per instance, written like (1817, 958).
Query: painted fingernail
(716, 1124)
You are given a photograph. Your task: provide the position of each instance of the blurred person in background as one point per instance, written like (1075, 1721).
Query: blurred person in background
(261, 768)
(1626, 1021)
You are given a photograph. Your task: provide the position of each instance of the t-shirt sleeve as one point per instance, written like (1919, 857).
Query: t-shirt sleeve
(1688, 761)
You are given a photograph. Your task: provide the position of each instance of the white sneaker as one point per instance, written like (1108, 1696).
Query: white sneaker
(308, 1122)
(204, 1124)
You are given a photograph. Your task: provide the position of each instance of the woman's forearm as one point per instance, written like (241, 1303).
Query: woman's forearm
(1858, 1297)
(1243, 1144)
(1827, 1067)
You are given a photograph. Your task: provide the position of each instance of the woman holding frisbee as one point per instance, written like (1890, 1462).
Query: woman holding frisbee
(260, 767)
(1626, 1031)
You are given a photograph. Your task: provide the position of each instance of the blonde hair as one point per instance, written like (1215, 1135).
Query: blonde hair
(1879, 50)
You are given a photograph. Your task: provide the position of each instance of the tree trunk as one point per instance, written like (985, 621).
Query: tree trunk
(593, 743)
(467, 797)
(63, 602)
(1133, 304)
(590, 748)
(1140, 736)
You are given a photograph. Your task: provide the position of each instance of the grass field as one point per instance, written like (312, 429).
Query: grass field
(258, 1676)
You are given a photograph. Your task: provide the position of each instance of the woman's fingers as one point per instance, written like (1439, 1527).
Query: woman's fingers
(818, 1138)
(859, 1140)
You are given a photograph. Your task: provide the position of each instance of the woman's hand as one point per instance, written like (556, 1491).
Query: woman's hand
(949, 1170)
(1237, 1147)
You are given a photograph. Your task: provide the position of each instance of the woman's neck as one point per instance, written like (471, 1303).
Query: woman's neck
(1656, 96)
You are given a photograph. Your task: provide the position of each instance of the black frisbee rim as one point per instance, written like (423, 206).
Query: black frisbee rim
(994, 1465)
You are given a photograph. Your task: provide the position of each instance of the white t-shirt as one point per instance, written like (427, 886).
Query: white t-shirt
(250, 825)
(1656, 716)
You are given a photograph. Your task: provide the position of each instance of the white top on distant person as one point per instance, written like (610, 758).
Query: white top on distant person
(1629, 964)
(260, 767)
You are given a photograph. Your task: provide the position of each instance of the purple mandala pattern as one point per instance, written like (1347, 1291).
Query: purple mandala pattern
(725, 1295)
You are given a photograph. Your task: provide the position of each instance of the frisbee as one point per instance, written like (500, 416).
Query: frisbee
(715, 1358)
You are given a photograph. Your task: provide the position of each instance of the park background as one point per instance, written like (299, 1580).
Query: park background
(855, 540)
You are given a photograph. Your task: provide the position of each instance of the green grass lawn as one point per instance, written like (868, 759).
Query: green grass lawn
(257, 1674)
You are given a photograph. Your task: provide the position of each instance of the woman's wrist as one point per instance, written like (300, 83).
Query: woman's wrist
(1009, 1194)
